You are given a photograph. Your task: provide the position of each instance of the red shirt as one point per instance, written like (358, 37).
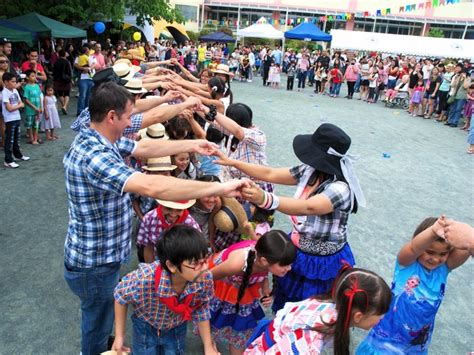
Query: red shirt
(27, 66)
(335, 76)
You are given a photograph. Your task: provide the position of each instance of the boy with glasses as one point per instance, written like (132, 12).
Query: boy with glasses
(166, 294)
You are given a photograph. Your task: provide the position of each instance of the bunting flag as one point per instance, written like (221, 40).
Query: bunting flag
(428, 4)
(421, 6)
(387, 11)
(441, 2)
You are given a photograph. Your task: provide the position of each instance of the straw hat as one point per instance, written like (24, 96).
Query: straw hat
(222, 69)
(125, 70)
(177, 205)
(159, 164)
(231, 217)
(155, 131)
(135, 86)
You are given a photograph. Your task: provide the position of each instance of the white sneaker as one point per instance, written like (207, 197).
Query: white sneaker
(249, 81)
(25, 158)
(12, 165)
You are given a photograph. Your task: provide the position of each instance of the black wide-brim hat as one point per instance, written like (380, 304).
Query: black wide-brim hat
(312, 149)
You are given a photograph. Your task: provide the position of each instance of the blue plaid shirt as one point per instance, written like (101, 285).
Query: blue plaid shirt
(84, 121)
(99, 230)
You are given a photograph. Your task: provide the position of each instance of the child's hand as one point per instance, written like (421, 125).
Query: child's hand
(266, 301)
(119, 346)
(438, 227)
(46, 117)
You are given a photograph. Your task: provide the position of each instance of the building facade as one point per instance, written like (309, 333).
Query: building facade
(408, 17)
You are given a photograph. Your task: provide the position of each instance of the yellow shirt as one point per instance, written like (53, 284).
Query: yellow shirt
(202, 54)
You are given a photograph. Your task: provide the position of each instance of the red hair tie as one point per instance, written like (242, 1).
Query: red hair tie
(351, 294)
(345, 266)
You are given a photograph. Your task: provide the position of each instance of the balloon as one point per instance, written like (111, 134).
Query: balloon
(137, 36)
(99, 27)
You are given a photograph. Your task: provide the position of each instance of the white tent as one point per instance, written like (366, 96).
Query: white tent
(410, 45)
(261, 30)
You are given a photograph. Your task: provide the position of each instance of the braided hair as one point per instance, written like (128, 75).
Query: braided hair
(245, 280)
(273, 246)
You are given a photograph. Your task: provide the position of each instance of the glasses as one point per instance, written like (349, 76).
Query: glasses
(198, 265)
(4, 61)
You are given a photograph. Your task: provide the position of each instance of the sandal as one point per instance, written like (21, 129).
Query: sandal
(470, 151)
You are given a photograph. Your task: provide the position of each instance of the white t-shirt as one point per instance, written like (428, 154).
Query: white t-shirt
(427, 71)
(12, 97)
(373, 82)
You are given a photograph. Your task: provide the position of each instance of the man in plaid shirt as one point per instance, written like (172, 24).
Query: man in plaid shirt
(166, 294)
(98, 183)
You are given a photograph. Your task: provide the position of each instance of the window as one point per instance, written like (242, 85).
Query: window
(188, 12)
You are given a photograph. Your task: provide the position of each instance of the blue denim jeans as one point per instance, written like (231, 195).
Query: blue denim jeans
(146, 340)
(302, 79)
(85, 88)
(357, 83)
(95, 288)
(335, 88)
(455, 111)
(391, 83)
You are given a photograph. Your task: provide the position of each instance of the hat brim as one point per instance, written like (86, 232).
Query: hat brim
(159, 168)
(136, 91)
(176, 205)
(223, 72)
(223, 219)
(143, 135)
(313, 155)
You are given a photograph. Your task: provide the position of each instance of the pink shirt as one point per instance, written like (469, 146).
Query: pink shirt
(352, 73)
(100, 61)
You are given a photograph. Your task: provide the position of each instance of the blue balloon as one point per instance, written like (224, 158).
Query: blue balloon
(99, 27)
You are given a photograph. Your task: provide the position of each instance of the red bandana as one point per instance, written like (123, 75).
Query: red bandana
(172, 302)
(164, 223)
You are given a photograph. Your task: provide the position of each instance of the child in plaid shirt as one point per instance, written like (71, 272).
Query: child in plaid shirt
(165, 295)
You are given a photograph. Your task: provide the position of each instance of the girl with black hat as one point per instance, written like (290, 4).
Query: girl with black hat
(327, 192)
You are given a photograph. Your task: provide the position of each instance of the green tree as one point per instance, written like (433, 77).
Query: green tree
(87, 11)
(436, 32)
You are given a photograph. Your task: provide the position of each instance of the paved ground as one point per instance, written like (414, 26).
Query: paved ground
(428, 173)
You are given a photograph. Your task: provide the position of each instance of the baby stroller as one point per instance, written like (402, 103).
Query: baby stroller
(402, 100)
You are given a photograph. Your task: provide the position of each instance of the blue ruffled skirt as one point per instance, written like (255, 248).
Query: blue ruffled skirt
(310, 275)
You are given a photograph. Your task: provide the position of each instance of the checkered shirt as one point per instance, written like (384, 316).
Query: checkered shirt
(250, 150)
(84, 121)
(100, 213)
(138, 289)
(331, 228)
(151, 228)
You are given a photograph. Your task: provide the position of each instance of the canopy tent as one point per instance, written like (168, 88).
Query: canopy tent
(217, 37)
(410, 45)
(177, 30)
(308, 31)
(41, 24)
(16, 33)
(261, 30)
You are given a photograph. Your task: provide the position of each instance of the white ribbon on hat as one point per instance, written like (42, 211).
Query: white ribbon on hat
(350, 176)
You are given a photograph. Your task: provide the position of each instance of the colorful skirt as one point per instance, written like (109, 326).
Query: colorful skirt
(310, 275)
(227, 325)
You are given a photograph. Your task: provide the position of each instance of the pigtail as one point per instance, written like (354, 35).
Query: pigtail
(245, 280)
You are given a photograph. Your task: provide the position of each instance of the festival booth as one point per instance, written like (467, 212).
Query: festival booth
(308, 31)
(396, 44)
(261, 29)
(45, 26)
(219, 37)
(16, 33)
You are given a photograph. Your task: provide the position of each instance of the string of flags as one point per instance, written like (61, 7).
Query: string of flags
(343, 16)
